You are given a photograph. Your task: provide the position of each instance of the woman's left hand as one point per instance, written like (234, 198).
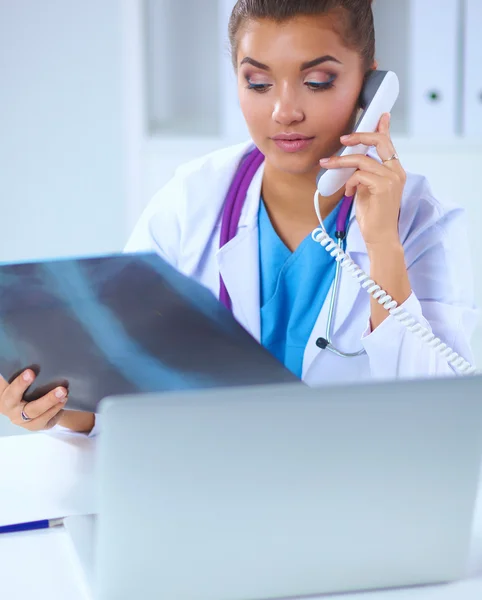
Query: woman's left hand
(379, 187)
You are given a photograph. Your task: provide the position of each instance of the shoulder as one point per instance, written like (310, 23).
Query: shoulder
(194, 194)
(436, 247)
(201, 176)
(215, 163)
(423, 216)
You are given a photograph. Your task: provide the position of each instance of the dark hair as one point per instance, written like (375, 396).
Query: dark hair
(356, 17)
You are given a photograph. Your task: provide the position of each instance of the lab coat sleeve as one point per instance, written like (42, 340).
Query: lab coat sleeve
(96, 429)
(64, 430)
(442, 300)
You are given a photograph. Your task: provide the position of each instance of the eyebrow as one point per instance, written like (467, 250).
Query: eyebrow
(306, 65)
(318, 61)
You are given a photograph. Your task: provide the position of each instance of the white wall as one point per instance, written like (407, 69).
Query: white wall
(62, 155)
(61, 128)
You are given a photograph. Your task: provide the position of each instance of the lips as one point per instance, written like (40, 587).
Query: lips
(292, 142)
(291, 137)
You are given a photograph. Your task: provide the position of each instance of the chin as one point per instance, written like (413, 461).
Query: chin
(294, 164)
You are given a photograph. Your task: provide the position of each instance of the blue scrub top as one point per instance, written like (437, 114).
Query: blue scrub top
(293, 287)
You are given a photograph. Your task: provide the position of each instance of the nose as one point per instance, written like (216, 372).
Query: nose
(287, 108)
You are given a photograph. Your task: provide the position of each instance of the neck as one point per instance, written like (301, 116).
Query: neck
(291, 196)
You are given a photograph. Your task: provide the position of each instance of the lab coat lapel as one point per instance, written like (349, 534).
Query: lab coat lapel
(238, 262)
(347, 296)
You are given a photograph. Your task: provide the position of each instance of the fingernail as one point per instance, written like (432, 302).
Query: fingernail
(27, 376)
(344, 138)
(324, 160)
(59, 393)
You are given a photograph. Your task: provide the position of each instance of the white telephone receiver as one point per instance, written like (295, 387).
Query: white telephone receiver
(379, 94)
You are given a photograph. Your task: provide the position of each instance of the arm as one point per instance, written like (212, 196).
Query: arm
(437, 254)
(77, 421)
(387, 268)
(418, 256)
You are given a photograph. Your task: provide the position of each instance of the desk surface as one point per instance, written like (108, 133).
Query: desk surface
(46, 477)
(48, 559)
(43, 564)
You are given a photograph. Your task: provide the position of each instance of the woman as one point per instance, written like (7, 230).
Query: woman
(300, 69)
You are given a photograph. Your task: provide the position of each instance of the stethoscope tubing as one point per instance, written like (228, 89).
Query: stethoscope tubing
(331, 316)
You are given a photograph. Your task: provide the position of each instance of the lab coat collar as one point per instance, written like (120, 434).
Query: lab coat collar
(249, 213)
(238, 261)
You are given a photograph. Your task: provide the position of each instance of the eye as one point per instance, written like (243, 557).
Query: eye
(259, 87)
(320, 86)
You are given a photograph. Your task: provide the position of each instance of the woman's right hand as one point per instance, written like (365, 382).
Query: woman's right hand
(43, 413)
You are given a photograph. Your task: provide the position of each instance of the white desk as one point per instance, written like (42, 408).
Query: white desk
(40, 565)
(43, 564)
(46, 477)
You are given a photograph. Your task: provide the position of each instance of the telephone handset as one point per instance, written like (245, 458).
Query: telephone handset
(378, 96)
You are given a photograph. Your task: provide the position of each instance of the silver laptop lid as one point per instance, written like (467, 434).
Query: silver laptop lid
(283, 491)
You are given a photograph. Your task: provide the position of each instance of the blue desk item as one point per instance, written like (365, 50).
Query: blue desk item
(31, 525)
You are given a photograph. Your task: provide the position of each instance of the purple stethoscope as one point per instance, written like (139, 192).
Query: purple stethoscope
(233, 206)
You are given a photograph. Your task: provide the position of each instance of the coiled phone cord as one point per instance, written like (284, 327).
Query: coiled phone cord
(400, 314)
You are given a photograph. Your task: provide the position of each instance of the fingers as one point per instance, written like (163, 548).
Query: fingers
(12, 394)
(384, 124)
(371, 181)
(3, 385)
(380, 139)
(368, 138)
(357, 161)
(36, 408)
(43, 413)
(47, 420)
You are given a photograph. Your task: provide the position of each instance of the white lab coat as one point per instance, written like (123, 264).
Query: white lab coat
(182, 223)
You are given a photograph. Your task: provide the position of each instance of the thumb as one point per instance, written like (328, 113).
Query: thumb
(3, 385)
(384, 124)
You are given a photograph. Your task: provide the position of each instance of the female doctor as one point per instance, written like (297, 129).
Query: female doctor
(300, 69)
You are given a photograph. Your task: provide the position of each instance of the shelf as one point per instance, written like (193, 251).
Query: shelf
(182, 66)
(392, 52)
(191, 90)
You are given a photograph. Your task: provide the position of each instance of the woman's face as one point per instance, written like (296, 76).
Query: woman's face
(298, 80)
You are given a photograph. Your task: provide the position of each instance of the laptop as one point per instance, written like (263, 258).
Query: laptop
(283, 491)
